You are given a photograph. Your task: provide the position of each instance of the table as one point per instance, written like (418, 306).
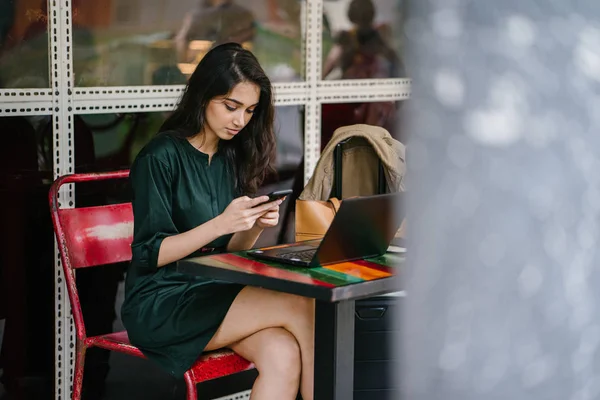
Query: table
(335, 289)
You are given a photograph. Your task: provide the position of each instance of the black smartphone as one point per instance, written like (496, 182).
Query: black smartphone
(278, 194)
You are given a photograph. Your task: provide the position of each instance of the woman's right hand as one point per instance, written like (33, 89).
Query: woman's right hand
(241, 214)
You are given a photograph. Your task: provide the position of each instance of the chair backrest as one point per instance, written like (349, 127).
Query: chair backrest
(89, 236)
(364, 174)
(97, 235)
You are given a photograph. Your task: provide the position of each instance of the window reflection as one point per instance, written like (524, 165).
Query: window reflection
(362, 39)
(214, 21)
(23, 44)
(25, 271)
(107, 142)
(158, 42)
(27, 256)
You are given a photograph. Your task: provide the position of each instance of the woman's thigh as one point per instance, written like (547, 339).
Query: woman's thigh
(255, 309)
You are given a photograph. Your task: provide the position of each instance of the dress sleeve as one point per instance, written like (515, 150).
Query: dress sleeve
(151, 182)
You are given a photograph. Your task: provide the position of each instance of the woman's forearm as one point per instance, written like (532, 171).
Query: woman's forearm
(244, 240)
(176, 247)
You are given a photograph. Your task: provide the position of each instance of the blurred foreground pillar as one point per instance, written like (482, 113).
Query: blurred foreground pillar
(503, 281)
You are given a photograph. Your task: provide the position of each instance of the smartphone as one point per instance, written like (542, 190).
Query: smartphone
(278, 194)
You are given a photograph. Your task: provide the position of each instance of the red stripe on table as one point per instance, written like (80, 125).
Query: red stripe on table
(266, 270)
(378, 267)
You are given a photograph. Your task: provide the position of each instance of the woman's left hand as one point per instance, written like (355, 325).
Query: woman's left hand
(268, 219)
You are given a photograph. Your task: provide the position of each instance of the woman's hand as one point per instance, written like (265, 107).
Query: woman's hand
(268, 219)
(242, 213)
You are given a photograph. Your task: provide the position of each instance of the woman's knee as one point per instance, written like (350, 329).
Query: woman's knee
(280, 355)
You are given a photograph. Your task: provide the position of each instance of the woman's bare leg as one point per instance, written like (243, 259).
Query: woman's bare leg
(255, 309)
(276, 355)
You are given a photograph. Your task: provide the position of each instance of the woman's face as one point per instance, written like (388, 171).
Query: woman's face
(227, 115)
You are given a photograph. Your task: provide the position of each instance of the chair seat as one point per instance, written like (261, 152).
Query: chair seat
(210, 365)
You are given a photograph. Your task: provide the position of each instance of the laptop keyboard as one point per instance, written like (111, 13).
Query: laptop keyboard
(302, 255)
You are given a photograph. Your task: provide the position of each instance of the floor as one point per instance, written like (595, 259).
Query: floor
(133, 378)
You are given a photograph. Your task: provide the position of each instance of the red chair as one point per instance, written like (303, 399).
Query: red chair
(100, 235)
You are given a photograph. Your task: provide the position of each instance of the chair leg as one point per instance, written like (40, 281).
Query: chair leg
(190, 385)
(78, 373)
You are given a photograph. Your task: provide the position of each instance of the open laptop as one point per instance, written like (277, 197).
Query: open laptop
(363, 227)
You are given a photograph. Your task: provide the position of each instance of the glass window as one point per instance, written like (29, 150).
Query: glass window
(367, 179)
(385, 114)
(21, 164)
(156, 42)
(108, 142)
(27, 253)
(363, 39)
(289, 123)
(24, 44)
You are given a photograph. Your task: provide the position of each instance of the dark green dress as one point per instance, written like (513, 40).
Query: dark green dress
(170, 316)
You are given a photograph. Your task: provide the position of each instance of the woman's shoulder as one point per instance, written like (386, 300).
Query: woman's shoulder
(163, 151)
(163, 146)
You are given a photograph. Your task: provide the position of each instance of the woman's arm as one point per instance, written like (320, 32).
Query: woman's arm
(244, 240)
(178, 246)
(238, 218)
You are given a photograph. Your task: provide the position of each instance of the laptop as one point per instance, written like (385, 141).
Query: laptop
(363, 227)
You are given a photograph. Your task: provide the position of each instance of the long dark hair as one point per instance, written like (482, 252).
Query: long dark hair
(251, 153)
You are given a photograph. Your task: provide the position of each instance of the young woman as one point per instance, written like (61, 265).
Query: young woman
(192, 188)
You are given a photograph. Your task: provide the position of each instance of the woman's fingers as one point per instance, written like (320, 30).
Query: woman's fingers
(268, 222)
(270, 214)
(256, 201)
(272, 205)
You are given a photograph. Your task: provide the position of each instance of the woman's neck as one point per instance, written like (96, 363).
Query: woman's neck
(206, 143)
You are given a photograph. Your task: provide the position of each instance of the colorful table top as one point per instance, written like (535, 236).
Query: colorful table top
(335, 282)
